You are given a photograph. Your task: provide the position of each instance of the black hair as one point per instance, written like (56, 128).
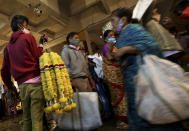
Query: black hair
(106, 33)
(173, 30)
(187, 28)
(17, 20)
(70, 35)
(121, 12)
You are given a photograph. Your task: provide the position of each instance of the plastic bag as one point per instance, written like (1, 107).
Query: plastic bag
(85, 117)
(162, 94)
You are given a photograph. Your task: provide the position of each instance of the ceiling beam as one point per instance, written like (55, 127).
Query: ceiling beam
(50, 44)
(59, 20)
(4, 18)
(2, 47)
(92, 25)
(5, 38)
(52, 13)
(83, 7)
(56, 16)
(55, 42)
(106, 7)
(44, 25)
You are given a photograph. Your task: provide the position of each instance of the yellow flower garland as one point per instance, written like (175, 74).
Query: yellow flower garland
(56, 84)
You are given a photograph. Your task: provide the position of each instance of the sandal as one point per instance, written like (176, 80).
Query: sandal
(122, 125)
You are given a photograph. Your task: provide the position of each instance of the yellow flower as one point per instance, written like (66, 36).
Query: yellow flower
(74, 105)
(56, 106)
(48, 109)
(67, 108)
(55, 82)
(59, 112)
(63, 100)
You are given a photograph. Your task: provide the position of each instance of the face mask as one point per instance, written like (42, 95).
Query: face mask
(26, 31)
(119, 28)
(111, 40)
(75, 42)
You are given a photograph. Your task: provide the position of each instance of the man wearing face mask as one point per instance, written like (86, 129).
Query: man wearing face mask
(76, 64)
(21, 60)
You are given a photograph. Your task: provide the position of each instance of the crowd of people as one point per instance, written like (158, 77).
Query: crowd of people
(114, 69)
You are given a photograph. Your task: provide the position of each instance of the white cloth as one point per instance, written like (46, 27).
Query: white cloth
(140, 8)
(97, 59)
(16, 85)
(35, 80)
(169, 53)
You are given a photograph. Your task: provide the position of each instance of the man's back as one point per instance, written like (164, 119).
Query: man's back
(21, 57)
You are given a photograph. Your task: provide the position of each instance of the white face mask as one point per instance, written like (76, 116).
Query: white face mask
(112, 39)
(26, 31)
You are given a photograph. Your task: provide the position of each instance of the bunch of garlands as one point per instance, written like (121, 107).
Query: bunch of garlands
(56, 84)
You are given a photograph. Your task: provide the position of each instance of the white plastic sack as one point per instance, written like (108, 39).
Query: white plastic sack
(162, 94)
(85, 117)
(140, 8)
(97, 59)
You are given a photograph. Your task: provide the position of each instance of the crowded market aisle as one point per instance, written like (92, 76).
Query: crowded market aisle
(147, 92)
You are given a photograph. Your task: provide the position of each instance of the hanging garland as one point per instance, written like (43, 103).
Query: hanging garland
(56, 84)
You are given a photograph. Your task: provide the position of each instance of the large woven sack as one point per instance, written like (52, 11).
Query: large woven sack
(162, 94)
(85, 117)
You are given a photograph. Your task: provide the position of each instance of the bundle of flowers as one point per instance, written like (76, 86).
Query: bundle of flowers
(56, 84)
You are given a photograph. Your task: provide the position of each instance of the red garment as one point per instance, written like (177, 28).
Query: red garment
(21, 59)
(185, 13)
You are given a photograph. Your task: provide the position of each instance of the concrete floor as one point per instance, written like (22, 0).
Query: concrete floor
(12, 124)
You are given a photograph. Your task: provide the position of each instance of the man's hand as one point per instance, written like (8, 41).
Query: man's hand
(43, 39)
(73, 84)
(92, 82)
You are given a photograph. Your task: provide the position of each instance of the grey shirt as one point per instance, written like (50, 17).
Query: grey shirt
(75, 62)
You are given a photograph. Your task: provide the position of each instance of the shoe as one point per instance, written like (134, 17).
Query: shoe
(122, 125)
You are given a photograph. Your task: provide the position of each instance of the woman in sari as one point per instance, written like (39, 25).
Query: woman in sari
(114, 78)
(133, 40)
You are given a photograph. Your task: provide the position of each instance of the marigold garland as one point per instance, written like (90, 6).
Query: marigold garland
(56, 84)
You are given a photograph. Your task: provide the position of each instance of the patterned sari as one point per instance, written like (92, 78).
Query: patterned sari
(115, 81)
